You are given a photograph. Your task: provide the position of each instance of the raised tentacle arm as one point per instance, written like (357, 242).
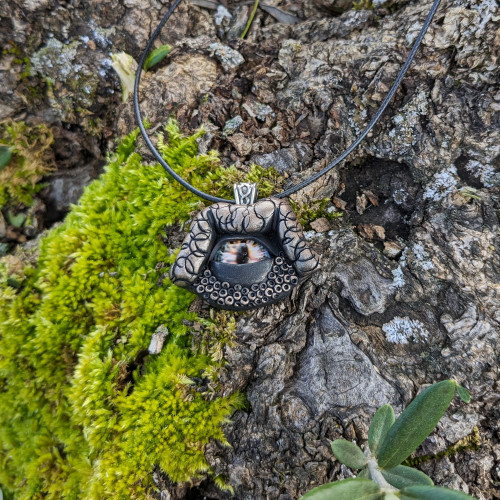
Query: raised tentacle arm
(295, 246)
(195, 250)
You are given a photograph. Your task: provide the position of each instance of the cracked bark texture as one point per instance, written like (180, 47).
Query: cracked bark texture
(381, 318)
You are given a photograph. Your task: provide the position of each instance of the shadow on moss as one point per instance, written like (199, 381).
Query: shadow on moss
(85, 411)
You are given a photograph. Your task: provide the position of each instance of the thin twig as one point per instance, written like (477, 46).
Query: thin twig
(250, 19)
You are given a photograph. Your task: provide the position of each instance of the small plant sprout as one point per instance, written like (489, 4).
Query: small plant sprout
(156, 56)
(125, 65)
(390, 442)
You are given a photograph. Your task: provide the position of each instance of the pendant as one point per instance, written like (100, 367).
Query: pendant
(244, 255)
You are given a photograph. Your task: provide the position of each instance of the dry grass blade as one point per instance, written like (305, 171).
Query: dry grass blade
(280, 15)
(207, 4)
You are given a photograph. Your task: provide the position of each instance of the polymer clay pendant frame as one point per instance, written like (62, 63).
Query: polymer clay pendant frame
(244, 255)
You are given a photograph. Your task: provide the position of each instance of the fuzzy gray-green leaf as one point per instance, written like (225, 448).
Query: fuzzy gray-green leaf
(5, 156)
(463, 393)
(364, 474)
(391, 496)
(348, 489)
(416, 422)
(401, 477)
(349, 454)
(432, 493)
(381, 423)
(156, 56)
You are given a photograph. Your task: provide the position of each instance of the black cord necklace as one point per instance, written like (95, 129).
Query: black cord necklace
(240, 254)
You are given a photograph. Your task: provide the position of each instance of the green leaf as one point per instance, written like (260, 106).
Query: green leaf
(349, 454)
(463, 393)
(16, 220)
(5, 156)
(432, 493)
(156, 56)
(402, 476)
(391, 496)
(348, 489)
(364, 473)
(381, 423)
(415, 423)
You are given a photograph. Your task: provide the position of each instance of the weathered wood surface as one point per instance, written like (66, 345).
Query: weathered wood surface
(390, 310)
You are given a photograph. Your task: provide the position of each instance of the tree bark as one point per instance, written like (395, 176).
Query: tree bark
(391, 309)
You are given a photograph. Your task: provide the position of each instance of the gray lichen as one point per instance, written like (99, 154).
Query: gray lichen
(58, 64)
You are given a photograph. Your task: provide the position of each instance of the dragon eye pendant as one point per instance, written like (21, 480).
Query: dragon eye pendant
(244, 255)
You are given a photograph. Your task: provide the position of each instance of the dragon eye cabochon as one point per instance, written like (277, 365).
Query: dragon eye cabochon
(244, 256)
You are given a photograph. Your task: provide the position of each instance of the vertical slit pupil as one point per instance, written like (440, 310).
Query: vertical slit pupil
(242, 257)
(241, 252)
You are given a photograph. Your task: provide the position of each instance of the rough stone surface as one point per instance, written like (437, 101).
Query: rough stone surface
(285, 159)
(370, 327)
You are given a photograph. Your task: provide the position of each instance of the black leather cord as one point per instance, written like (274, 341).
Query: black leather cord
(317, 175)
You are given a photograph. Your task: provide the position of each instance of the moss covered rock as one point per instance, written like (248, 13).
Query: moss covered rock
(86, 411)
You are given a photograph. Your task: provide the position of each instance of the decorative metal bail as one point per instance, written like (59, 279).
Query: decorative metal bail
(245, 193)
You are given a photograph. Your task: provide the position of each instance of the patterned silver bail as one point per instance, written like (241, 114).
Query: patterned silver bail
(245, 193)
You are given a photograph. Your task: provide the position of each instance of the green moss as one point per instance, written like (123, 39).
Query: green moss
(21, 67)
(32, 157)
(19, 59)
(470, 442)
(210, 337)
(363, 5)
(26, 63)
(306, 213)
(86, 411)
